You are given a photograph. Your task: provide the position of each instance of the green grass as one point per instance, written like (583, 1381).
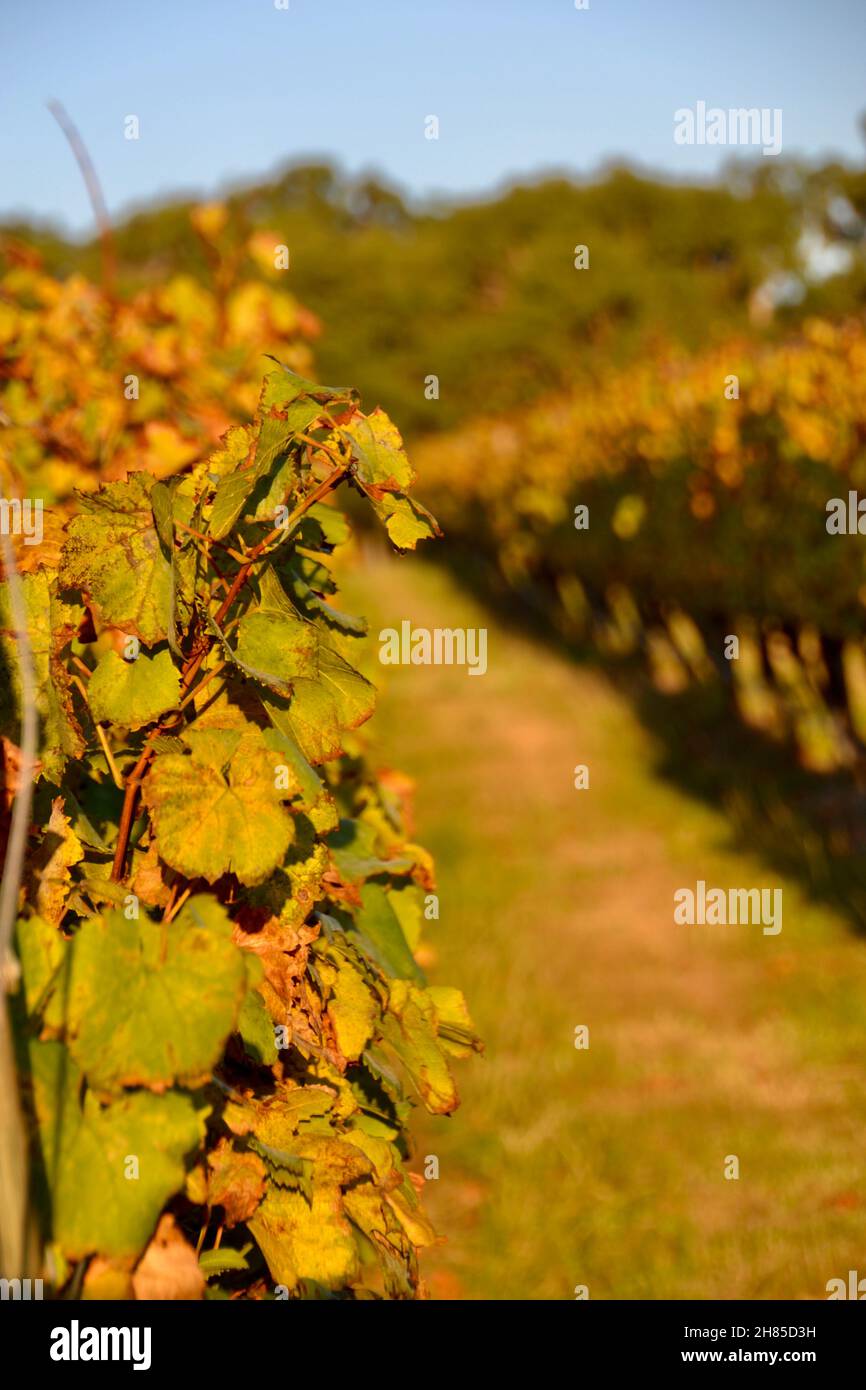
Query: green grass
(605, 1167)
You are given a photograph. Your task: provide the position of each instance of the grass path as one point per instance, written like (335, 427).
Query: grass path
(605, 1166)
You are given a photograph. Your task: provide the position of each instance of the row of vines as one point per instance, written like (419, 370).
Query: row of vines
(220, 1022)
(671, 508)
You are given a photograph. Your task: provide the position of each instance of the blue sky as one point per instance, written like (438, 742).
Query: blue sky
(230, 89)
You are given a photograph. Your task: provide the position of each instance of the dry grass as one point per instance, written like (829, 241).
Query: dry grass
(605, 1167)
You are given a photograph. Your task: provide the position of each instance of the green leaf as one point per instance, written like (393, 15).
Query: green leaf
(87, 833)
(315, 798)
(235, 484)
(213, 1262)
(321, 710)
(411, 1029)
(405, 520)
(285, 1169)
(257, 1030)
(51, 625)
(42, 952)
(219, 810)
(309, 1237)
(456, 1031)
(113, 554)
(270, 474)
(285, 386)
(352, 1007)
(323, 528)
(283, 741)
(355, 855)
(308, 580)
(161, 503)
(167, 504)
(382, 465)
(133, 693)
(108, 1170)
(378, 928)
(408, 902)
(275, 641)
(181, 985)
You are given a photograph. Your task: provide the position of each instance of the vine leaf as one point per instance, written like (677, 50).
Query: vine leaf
(235, 485)
(48, 872)
(219, 809)
(309, 1236)
(379, 930)
(42, 953)
(168, 1269)
(382, 463)
(356, 856)
(274, 641)
(321, 710)
(316, 800)
(114, 556)
(455, 1028)
(405, 520)
(182, 986)
(352, 1008)
(305, 1240)
(284, 411)
(87, 1149)
(285, 386)
(51, 625)
(133, 693)
(235, 1182)
(411, 1029)
(256, 1028)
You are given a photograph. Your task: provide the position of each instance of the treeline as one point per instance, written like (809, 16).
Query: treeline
(485, 297)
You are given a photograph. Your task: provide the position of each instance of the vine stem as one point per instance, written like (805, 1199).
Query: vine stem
(100, 734)
(193, 662)
(174, 908)
(243, 574)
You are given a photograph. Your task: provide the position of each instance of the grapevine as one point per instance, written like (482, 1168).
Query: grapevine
(221, 1021)
(705, 485)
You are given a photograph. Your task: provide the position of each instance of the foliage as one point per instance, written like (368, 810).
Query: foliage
(707, 517)
(93, 387)
(485, 295)
(221, 1021)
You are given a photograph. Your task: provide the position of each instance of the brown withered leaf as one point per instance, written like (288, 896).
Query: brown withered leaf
(283, 952)
(168, 1269)
(235, 1182)
(45, 555)
(10, 785)
(397, 790)
(149, 881)
(11, 774)
(48, 876)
